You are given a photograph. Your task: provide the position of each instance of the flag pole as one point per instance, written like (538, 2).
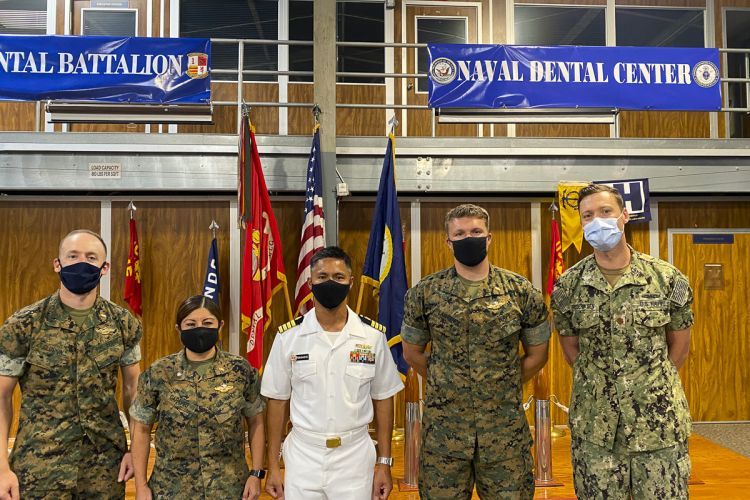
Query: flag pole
(360, 294)
(288, 302)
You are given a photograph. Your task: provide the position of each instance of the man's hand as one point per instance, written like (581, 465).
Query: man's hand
(275, 483)
(143, 493)
(8, 485)
(382, 484)
(252, 489)
(126, 468)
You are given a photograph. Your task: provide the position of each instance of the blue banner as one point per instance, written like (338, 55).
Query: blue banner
(103, 68)
(635, 78)
(635, 194)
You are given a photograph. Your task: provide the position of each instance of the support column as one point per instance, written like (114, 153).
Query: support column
(324, 78)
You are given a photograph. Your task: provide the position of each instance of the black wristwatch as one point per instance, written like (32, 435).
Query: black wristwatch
(260, 474)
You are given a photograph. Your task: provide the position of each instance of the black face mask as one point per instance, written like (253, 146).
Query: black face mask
(81, 277)
(330, 294)
(199, 340)
(470, 251)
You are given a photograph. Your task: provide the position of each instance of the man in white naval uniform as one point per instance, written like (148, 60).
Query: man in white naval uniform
(338, 371)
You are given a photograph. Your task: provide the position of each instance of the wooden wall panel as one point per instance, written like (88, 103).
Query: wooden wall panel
(666, 124)
(721, 214)
(561, 130)
(265, 119)
(716, 374)
(718, 337)
(174, 240)
(360, 121)
(17, 116)
(301, 120)
(31, 232)
(349, 121)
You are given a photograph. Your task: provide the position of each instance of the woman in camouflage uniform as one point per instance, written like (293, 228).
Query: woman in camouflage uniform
(199, 396)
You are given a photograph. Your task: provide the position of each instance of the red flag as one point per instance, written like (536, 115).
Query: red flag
(262, 261)
(132, 294)
(556, 267)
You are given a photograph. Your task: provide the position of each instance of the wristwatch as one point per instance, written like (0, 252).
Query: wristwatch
(260, 474)
(384, 461)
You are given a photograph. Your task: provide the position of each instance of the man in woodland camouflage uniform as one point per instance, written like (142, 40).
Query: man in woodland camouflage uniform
(624, 320)
(65, 352)
(474, 315)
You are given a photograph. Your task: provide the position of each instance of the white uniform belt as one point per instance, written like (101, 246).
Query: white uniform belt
(330, 440)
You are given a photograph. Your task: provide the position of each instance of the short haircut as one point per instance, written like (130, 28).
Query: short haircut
(467, 210)
(196, 302)
(332, 252)
(83, 231)
(600, 188)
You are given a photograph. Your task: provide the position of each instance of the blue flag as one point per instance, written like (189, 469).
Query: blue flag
(211, 282)
(384, 263)
(635, 194)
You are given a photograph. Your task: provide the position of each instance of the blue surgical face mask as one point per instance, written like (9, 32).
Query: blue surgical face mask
(603, 233)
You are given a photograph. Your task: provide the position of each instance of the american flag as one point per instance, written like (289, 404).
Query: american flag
(313, 228)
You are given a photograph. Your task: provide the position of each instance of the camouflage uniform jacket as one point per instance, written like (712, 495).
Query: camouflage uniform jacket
(623, 374)
(200, 449)
(68, 377)
(474, 390)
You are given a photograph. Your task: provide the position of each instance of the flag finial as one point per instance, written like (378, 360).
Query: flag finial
(316, 111)
(132, 208)
(393, 122)
(213, 227)
(553, 208)
(245, 109)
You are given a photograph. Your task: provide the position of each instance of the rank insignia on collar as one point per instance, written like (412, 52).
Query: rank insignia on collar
(300, 357)
(224, 388)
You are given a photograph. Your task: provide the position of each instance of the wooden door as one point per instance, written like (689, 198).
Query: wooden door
(435, 24)
(716, 374)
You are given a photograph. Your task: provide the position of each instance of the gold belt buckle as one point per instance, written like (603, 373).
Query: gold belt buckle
(334, 442)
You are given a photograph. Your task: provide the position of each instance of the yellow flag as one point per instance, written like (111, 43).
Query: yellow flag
(572, 232)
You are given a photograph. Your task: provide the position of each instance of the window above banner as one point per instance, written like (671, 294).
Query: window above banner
(552, 25)
(23, 17)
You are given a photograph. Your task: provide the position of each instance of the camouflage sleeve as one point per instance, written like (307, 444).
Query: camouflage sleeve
(680, 300)
(132, 340)
(534, 324)
(560, 305)
(254, 404)
(146, 401)
(14, 343)
(414, 329)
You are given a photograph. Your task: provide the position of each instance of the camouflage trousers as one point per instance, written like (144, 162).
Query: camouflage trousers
(603, 474)
(449, 478)
(97, 479)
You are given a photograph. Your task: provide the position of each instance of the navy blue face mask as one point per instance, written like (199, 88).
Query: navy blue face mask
(80, 278)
